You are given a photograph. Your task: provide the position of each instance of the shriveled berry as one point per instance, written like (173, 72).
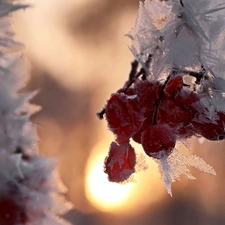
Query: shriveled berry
(120, 162)
(158, 141)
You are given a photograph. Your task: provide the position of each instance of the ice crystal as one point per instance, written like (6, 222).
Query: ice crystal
(177, 164)
(162, 28)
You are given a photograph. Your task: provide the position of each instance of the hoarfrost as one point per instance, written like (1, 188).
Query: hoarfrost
(177, 164)
(27, 180)
(162, 28)
(141, 164)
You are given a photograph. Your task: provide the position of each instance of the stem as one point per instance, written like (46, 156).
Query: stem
(157, 104)
(100, 114)
(181, 2)
(133, 76)
(141, 72)
(134, 66)
(197, 75)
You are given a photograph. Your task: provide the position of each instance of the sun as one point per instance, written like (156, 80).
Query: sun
(105, 191)
(103, 194)
(131, 197)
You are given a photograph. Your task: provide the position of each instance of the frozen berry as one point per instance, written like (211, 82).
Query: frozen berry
(188, 100)
(120, 162)
(171, 113)
(173, 86)
(210, 130)
(158, 141)
(147, 94)
(12, 210)
(144, 124)
(122, 116)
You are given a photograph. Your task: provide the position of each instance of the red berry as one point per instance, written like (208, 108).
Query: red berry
(210, 130)
(147, 94)
(174, 85)
(171, 113)
(144, 124)
(221, 117)
(187, 100)
(120, 162)
(158, 141)
(12, 210)
(122, 116)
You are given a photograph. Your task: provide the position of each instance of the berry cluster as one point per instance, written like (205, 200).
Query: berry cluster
(155, 114)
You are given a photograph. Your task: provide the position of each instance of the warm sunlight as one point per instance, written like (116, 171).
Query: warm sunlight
(130, 197)
(103, 194)
(105, 191)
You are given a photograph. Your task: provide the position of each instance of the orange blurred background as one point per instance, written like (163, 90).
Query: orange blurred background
(78, 56)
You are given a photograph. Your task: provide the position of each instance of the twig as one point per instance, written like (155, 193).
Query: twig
(133, 76)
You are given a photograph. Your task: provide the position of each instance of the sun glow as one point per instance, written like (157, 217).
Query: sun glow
(104, 190)
(131, 197)
(104, 195)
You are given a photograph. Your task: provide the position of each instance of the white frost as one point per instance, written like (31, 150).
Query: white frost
(177, 164)
(185, 36)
